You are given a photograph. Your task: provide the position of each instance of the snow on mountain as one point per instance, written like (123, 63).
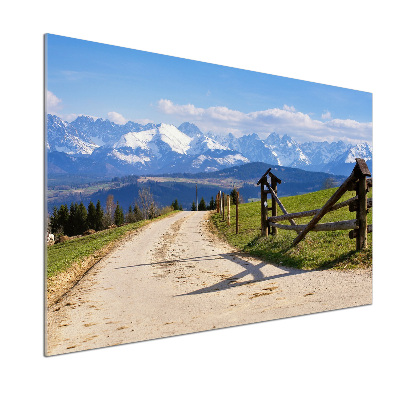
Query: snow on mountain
(361, 150)
(130, 158)
(324, 152)
(286, 150)
(62, 138)
(230, 141)
(200, 144)
(252, 147)
(210, 155)
(190, 129)
(208, 162)
(151, 148)
(176, 140)
(102, 131)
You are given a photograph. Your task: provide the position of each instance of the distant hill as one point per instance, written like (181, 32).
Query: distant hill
(294, 180)
(181, 186)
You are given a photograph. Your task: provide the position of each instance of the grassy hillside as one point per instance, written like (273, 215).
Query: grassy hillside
(319, 250)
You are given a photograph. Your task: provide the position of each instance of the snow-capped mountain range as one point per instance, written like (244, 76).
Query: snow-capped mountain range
(97, 146)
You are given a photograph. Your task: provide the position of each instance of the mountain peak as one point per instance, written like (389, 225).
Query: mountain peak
(286, 138)
(189, 129)
(273, 139)
(84, 118)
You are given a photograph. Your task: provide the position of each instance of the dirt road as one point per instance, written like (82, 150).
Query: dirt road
(174, 277)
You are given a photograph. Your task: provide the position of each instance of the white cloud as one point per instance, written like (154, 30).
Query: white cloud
(299, 125)
(117, 118)
(69, 117)
(289, 108)
(144, 121)
(326, 115)
(168, 107)
(53, 103)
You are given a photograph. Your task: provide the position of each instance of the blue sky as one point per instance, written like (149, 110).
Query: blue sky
(123, 84)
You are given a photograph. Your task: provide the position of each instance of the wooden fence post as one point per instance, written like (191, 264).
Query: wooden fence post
(223, 206)
(272, 189)
(362, 209)
(220, 202)
(237, 212)
(228, 207)
(264, 209)
(274, 209)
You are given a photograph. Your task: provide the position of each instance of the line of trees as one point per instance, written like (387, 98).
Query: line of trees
(203, 206)
(176, 206)
(213, 205)
(76, 219)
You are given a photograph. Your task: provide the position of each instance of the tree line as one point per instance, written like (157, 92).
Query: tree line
(212, 204)
(77, 219)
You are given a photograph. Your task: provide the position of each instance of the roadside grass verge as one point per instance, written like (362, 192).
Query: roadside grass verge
(318, 250)
(67, 262)
(61, 256)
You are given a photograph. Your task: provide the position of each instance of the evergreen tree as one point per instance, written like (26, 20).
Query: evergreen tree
(91, 216)
(212, 204)
(118, 216)
(63, 216)
(81, 219)
(202, 205)
(175, 204)
(234, 196)
(193, 206)
(54, 221)
(138, 216)
(130, 217)
(99, 217)
(70, 227)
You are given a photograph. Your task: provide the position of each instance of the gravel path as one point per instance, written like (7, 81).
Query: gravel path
(174, 277)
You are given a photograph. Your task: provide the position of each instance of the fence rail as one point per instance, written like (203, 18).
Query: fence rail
(312, 212)
(328, 226)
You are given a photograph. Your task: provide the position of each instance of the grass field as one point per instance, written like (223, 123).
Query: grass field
(61, 256)
(319, 250)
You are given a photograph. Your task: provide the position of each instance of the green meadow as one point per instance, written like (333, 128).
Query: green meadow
(319, 250)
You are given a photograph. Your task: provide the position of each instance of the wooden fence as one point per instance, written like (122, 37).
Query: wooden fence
(358, 227)
(223, 202)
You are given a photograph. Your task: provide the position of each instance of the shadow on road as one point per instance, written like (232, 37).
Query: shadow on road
(253, 270)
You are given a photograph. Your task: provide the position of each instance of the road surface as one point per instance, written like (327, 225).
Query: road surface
(174, 277)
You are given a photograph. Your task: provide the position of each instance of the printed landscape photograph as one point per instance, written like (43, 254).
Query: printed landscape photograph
(184, 196)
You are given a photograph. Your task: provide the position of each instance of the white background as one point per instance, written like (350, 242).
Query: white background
(345, 354)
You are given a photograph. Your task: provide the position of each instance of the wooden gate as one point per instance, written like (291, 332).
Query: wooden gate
(358, 227)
